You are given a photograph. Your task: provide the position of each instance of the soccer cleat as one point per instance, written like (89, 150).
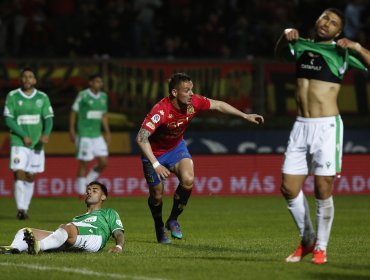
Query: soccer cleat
(300, 252)
(33, 244)
(174, 227)
(22, 215)
(319, 257)
(8, 250)
(162, 236)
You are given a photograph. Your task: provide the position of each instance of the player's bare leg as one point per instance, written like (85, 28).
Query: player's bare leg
(94, 173)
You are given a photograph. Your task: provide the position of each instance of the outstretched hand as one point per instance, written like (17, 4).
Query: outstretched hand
(254, 118)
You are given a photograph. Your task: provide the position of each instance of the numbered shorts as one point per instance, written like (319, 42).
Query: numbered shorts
(89, 148)
(168, 160)
(23, 158)
(315, 147)
(88, 238)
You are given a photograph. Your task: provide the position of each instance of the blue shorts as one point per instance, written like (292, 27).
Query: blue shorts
(168, 160)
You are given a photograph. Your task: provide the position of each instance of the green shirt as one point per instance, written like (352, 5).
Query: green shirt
(90, 109)
(104, 221)
(338, 59)
(28, 112)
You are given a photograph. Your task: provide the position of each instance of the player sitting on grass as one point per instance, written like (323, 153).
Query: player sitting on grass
(88, 232)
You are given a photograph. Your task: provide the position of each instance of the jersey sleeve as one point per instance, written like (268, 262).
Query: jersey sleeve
(201, 103)
(154, 119)
(114, 221)
(76, 103)
(9, 107)
(355, 62)
(47, 110)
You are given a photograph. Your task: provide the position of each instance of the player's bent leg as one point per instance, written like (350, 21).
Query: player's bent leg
(32, 242)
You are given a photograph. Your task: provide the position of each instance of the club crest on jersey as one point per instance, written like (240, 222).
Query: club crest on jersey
(170, 116)
(150, 125)
(39, 103)
(90, 219)
(190, 110)
(156, 118)
(20, 102)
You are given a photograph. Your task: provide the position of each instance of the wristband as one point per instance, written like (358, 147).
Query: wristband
(156, 164)
(119, 246)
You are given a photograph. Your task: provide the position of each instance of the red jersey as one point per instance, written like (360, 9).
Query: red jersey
(168, 124)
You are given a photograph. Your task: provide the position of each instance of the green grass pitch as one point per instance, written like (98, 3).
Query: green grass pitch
(224, 238)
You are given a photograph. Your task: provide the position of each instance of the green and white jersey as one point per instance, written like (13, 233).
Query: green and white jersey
(90, 109)
(29, 112)
(337, 59)
(102, 222)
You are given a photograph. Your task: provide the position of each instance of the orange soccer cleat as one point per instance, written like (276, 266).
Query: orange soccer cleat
(300, 252)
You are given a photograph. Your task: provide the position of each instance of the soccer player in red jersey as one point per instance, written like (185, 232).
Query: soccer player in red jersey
(160, 139)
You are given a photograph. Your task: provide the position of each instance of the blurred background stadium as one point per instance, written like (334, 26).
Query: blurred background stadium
(225, 46)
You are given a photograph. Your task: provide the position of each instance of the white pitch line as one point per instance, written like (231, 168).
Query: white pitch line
(79, 271)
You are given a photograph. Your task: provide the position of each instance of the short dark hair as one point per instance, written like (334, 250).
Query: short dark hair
(94, 76)
(339, 13)
(28, 69)
(176, 79)
(101, 185)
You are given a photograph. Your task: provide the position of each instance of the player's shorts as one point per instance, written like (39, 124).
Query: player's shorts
(168, 160)
(88, 238)
(315, 147)
(26, 159)
(89, 148)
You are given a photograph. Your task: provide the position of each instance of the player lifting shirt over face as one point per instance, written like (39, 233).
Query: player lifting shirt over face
(315, 142)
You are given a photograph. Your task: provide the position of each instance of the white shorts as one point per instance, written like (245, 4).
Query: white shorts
(26, 159)
(89, 148)
(87, 239)
(315, 147)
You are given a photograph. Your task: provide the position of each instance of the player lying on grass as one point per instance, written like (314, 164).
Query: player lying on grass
(88, 232)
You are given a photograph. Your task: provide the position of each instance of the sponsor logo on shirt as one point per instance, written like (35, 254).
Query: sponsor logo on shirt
(94, 115)
(28, 119)
(91, 219)
(150, 125)
(156, 118)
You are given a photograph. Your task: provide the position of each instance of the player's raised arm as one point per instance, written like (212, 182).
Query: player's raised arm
(226, 108)
(288, 35)
(355, 46)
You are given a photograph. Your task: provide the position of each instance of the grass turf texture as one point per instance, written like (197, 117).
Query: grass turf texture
(225, 238)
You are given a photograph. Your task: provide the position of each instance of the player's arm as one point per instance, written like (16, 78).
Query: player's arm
(72, 125)
(142, 139)
(15, 128)
(355, 46)
(48, 127)
(119, 237)
(106, 129)
(226, 108)
(288, 35)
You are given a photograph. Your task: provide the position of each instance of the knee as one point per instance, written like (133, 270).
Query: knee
(288, 192)
(187, 181)
(156, 197)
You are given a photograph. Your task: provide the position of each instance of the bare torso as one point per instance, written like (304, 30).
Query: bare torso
(316, 98)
